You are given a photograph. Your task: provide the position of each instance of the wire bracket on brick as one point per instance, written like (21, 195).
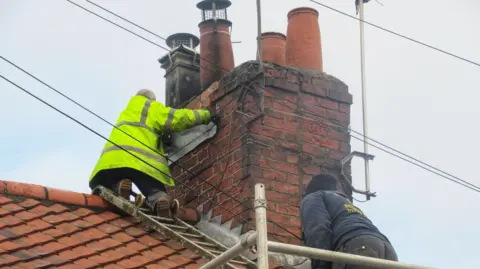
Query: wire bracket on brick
(345, 179)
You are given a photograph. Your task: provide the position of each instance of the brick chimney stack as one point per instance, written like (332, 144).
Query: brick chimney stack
(304, 48)
(215, 42)
(273, 47)
(302, 132)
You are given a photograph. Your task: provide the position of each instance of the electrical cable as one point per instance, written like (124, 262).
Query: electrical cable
(461, 182)
(397, 34)
(336, 10)
(112, 125)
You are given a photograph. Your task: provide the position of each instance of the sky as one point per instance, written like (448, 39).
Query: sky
(420, 101)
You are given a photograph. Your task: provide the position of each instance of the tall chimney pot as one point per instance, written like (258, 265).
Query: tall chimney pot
(273, 47)
(216, 52)
(304, 47)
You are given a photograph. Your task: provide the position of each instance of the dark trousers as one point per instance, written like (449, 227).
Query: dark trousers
(366, 245)
(151, 188)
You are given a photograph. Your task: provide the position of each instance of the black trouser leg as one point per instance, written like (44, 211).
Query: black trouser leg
(109, 178)
(366, 245)
(151, 188)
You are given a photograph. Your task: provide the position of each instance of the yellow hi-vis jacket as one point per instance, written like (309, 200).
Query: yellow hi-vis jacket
(146, 120)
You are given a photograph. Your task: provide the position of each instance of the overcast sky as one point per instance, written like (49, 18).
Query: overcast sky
(419, 101)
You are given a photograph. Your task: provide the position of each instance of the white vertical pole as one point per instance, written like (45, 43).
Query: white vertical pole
(364, 98)
(260, 205)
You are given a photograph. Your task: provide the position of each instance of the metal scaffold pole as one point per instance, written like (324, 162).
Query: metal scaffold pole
(364, 97)
(261, 223)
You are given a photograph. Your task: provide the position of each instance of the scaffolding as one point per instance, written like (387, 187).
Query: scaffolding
(263, 245)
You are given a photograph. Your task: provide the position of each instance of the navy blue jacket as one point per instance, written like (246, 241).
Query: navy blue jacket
(329, 219)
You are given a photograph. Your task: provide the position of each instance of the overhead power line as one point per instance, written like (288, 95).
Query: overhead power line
(398, 34)
(466, 183)
(112, 125)
(406, 157)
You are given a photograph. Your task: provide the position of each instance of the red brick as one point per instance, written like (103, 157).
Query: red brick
(274, 196)
(314, 150)
(274, 133)
(290, 189)
(288, 210)
(287, 167)
(325, 142)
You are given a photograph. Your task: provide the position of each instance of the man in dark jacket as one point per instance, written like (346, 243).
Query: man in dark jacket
(331, 222)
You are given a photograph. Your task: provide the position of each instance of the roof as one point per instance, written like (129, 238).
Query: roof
(45, 227)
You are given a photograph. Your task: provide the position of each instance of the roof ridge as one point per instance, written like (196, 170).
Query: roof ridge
(52, 194)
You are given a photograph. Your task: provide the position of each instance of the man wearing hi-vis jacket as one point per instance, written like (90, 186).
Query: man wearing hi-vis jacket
(146, 120)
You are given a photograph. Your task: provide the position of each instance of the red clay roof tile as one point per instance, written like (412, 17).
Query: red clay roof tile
(45, 227)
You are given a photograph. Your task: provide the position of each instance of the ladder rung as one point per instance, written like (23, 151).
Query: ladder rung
(191, 235)
(173, 226)
(205, 244)
(237, 262)
(161, 219)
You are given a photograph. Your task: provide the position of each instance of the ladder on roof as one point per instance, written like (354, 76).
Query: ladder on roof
(176, 229)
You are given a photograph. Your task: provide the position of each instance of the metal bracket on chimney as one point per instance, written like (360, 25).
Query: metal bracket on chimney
(184, 142)
(345, 160)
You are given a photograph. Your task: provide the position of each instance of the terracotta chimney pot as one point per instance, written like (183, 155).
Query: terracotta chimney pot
(273, 47)
(304, 47)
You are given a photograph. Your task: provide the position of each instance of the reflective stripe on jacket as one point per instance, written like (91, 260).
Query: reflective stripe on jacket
(146, 121)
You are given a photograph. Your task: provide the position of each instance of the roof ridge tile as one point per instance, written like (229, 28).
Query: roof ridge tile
(50, 194)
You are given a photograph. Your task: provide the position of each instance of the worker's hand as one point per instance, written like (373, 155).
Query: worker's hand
(215, 118)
